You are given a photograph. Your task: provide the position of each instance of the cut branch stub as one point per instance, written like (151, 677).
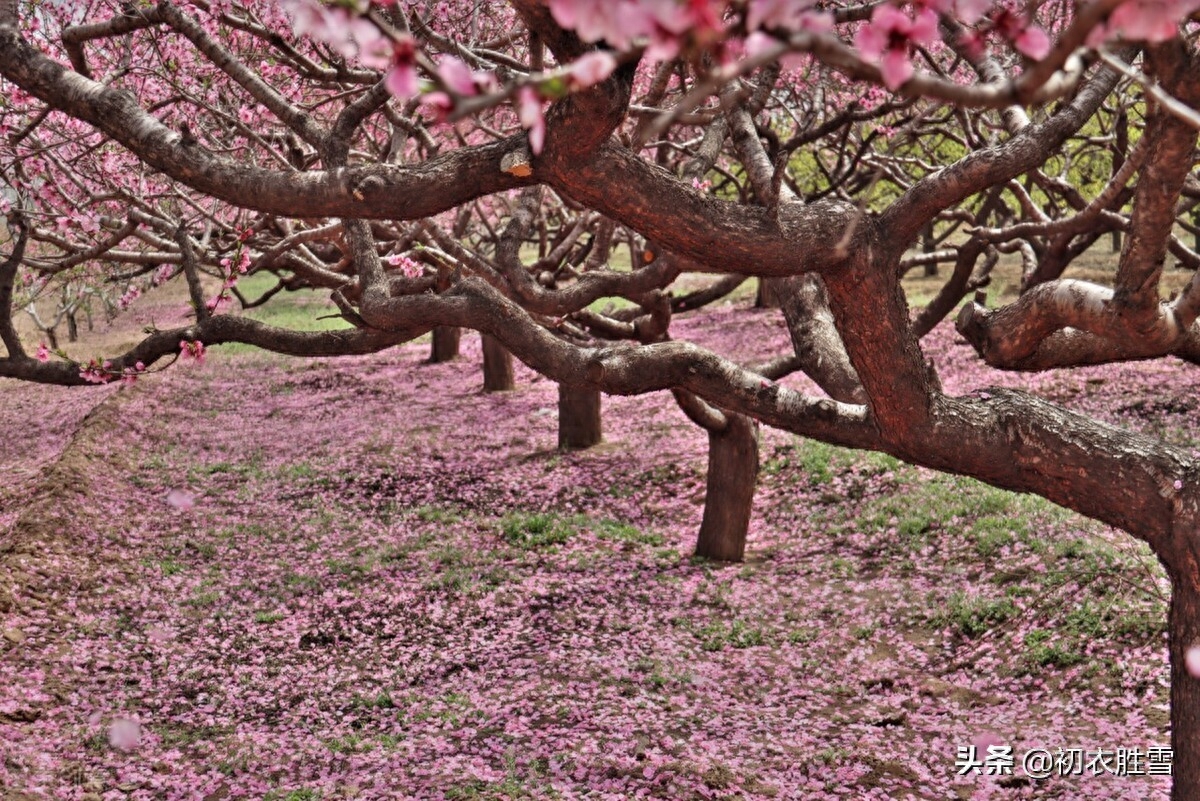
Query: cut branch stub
(518, 162)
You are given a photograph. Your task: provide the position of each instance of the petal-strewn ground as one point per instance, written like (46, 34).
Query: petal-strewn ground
(390, 585)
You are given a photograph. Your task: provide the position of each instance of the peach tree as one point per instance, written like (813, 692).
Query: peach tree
(440, 165)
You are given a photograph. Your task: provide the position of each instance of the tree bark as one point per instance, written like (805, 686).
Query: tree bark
(768, 294)
(729, 494)
(578, 417)
(929, 245)
(1184, 627)
(445, 344)
(497, 367)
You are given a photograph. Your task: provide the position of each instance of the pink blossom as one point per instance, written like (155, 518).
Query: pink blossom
(662, 24)
(192, 351)
(410, 268)
(1033, 42)
(348, 34)
(95, 373)
(401, 79)
(1192, 661)
(592, 20)
(971, 11)
(1151, 20)
(791, 15)
(457, 75)
(529, 112)
(180, 499)
(592, 68)
(125, 734)
(159, 634)
(889, 37)
(440, 103)
(43, 353)
(1028, 38)
(371, 47)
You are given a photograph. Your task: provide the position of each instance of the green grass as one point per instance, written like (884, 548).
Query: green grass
(293, 795)
(1041, 652)
(737, 634)
(973, 615)
(536, 530)
(301, 310)
(608, 529)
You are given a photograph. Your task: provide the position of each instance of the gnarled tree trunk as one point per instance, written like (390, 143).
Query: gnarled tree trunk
(578, 417)
(445, 344)
(729, 492)
(497, 366)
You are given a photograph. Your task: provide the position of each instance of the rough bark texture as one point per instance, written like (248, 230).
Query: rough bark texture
(815, 338)
(446, 339)
(578, 417)
(729, 492)
(1184, 627)
(768, 294)
(497, 366)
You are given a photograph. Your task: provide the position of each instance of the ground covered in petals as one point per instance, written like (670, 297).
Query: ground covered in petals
(390, 585)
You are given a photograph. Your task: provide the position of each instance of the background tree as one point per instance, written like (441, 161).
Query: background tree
(325, 144)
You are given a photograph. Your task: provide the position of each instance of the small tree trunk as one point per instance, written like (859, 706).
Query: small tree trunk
(497, 366)
(578, 417)
(729, 496)
(445, 344)
(1184, 627)
(72, 327)
(929, 245)
(1116, 242)
(768, 294)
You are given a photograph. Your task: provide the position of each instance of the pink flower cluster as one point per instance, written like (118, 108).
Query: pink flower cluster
(1145, 20)
(191, 351)
(232, 271)
(102, 372)
(662, 25)
(131, 294)
(890, 38)
(891, 35)
(408, 267)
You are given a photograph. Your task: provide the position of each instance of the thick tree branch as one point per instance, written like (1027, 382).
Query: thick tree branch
(8, 276)
(373, 191)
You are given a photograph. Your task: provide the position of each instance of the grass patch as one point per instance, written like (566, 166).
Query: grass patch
(299, 310)
(972, 615)
(615, 530)
(1041, 652)
(536, 530)
(738, 634)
